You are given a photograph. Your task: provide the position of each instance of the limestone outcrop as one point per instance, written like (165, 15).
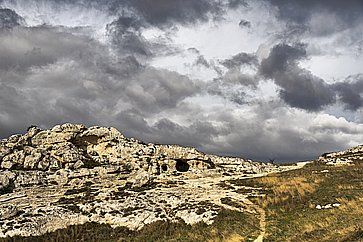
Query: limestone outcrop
(71, 174)
(343, 157)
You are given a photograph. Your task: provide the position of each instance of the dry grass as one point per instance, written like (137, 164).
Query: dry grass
(291, 197)
(291, 204)
(282, 190)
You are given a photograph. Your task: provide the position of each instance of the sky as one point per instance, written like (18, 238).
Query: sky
(262, 79)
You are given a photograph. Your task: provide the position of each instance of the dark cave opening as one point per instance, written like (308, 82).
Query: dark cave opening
(164, 167)
(182, 166)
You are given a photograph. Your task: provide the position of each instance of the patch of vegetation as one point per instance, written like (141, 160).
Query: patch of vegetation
(291, 199)
(230, 202)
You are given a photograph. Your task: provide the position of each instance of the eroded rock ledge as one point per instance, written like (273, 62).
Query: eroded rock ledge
(71, 174)
(343, 157)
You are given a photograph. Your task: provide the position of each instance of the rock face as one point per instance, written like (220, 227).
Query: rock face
(71, 174)
(343, 157)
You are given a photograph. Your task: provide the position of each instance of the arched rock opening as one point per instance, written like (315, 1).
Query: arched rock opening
(182, 166)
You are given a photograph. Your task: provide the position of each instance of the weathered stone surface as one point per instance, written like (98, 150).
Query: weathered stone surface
(343, 157)
(71, 174)
(49, 137)
(6, 181)
(4, 151)
(11, 160)
(32, 160)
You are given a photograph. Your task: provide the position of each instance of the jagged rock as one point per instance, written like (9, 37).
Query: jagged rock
(16, 158)
(7, 164)
(343, 157)
(32, 160)
(66, 152)
(32, 131)
(14, 138)
(4, 151)
(49, 137)
(68, 128)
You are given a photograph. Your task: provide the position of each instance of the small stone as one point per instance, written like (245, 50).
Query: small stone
(54, 164)
(328, 206)
(78, 164)
(318, 207)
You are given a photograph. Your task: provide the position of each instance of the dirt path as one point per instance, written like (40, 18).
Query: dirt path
(262, 215)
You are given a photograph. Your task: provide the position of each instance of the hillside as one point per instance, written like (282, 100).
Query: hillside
(93, 184)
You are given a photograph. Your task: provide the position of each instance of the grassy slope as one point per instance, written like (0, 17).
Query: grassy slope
(292, 197)
(289, 204)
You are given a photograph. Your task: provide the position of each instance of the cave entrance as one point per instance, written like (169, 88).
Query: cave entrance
(182, 166)
(164, 167)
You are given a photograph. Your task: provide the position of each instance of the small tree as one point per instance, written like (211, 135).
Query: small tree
(272, 161)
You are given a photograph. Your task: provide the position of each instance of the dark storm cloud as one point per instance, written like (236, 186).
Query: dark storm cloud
(237, 3)
(300, 11)
(299, 88)
(159, 13)
(154, 90)
(350, 92)
(271, 132)
(166, 131)
(163, 12)
(23, 48)
(49, 76)
(9, 19)
(234, 86)
(56, 74)
(127, 38)
(240, 59)
(320, 18)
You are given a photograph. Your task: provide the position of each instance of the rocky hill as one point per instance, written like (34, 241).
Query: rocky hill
(73, 183)
(343, 157)
(71, 174)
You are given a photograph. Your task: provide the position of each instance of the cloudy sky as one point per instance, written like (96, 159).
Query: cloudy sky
(259, 79)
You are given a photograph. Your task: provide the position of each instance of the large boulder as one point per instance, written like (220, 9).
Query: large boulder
(15, 159)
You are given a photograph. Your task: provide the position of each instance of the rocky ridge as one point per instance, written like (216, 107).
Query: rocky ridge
(343, 157)
(71, 174)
